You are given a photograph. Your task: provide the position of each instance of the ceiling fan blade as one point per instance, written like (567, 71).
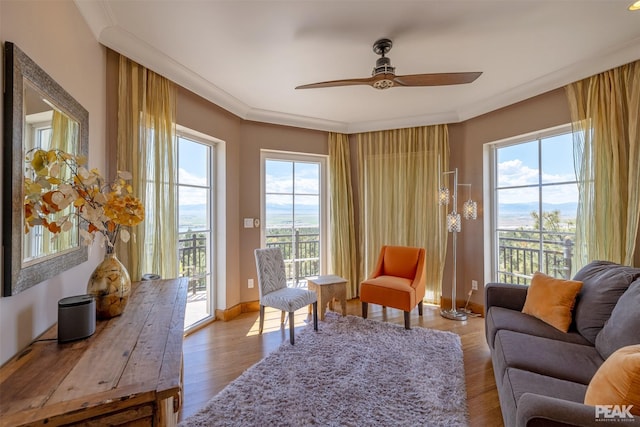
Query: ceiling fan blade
(333, 83)
(437, 79)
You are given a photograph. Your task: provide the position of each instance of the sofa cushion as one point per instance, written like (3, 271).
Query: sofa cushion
(551, 300)
(617, 382)
(623, 327)
(603, 283)
(562, 360)
(516, 382)
(498, 318)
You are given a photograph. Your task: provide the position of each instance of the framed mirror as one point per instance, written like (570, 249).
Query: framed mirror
(38, 113)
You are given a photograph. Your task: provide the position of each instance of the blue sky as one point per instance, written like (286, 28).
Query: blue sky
(518, 165)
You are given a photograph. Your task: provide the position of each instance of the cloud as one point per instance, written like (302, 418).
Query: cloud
(513, 173)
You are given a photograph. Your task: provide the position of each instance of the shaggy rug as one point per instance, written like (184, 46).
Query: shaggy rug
(352, 372)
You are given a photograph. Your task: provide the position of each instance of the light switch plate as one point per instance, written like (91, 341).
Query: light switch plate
(248, 223)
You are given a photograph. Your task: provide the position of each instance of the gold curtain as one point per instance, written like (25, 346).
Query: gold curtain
(605, 111)
(65, 136)
(147, 148)
(343, 237)
(398, 183)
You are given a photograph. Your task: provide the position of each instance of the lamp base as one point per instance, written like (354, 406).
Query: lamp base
(453, 315)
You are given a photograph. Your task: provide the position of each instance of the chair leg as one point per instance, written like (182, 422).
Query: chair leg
(261, 318)
(420, 308)
(291, 327)
(365, 309)
(315, 316)
(407, 320)
(282, 317)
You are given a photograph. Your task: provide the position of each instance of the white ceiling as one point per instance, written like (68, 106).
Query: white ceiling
(248, 56)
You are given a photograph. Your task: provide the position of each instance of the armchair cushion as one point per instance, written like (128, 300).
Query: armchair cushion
(400, 261)
(390, 291)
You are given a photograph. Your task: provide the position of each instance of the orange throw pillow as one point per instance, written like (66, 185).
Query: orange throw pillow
(617, 381)
(551, 300)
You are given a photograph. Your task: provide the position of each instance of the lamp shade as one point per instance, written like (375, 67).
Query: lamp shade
(454, 223)
(470, 209)
(443, 196)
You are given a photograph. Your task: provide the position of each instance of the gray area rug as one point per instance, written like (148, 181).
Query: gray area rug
(352, 372)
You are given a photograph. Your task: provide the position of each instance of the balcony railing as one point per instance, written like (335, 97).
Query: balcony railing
(520, 257)
(192, 255)
(301, 252)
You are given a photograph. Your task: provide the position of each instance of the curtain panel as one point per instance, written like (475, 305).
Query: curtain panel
(343, 235)
(398, 173)
(605, 111)
(146, 146)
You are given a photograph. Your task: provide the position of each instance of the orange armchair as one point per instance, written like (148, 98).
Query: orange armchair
(397, 281)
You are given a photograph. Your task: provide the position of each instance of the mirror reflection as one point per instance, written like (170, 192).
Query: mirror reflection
(39, 114)
(47, 127)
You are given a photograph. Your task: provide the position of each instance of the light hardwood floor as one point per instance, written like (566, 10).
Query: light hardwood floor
(218, 353)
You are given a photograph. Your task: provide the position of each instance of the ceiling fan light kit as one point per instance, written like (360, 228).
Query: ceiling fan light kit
(384, 76)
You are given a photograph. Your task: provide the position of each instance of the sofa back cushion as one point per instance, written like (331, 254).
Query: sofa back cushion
(623, 327)
(603, 284)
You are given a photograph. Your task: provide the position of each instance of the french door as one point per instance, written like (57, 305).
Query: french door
(294, 210)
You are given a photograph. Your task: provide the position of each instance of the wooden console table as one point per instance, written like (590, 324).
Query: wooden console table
(128, 373)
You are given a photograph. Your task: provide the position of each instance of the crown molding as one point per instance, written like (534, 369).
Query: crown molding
(101, 20)
(605, 60)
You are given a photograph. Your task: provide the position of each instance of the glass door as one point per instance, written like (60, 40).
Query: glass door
(294, 212)
(195, 225)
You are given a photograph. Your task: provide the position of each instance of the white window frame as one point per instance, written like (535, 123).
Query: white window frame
(217, 293)
(265, 154)
(489, 191)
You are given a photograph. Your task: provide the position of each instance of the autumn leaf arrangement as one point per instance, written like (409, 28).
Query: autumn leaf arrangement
(59, 189)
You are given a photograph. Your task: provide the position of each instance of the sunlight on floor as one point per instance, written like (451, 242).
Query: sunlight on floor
(272, 321)
(196, 308)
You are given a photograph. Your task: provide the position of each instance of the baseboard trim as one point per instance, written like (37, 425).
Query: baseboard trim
(233, 312)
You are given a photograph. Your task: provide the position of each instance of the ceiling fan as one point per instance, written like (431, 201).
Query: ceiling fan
(384, 76)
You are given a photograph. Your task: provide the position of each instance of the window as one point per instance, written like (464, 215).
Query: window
(294, 212)
(196, 222)
(534, 204)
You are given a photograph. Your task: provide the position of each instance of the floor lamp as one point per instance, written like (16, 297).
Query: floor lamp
(454, 225)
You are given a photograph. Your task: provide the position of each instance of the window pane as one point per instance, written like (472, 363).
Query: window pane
(279, 177)
(193, 158)
(192, 209)
(279, 210)
(515, 207)
(559, 208)
(307, 178)
(518, 165)
(557, 159)
(307, 211)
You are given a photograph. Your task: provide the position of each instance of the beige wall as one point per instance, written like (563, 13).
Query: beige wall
(255, 137)
(466, 141)
(56, 37)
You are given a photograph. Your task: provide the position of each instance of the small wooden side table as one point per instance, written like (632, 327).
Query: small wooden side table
(329, 287)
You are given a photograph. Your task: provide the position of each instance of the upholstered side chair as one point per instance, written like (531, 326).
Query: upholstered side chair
(272, 286)
(398, 281)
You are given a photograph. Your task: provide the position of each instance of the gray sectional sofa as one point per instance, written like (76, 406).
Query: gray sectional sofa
(542, 373)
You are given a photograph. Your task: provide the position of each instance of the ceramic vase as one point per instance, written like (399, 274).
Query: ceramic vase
(111, 285)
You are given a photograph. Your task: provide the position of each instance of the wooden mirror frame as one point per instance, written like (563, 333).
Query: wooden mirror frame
(18, 67)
